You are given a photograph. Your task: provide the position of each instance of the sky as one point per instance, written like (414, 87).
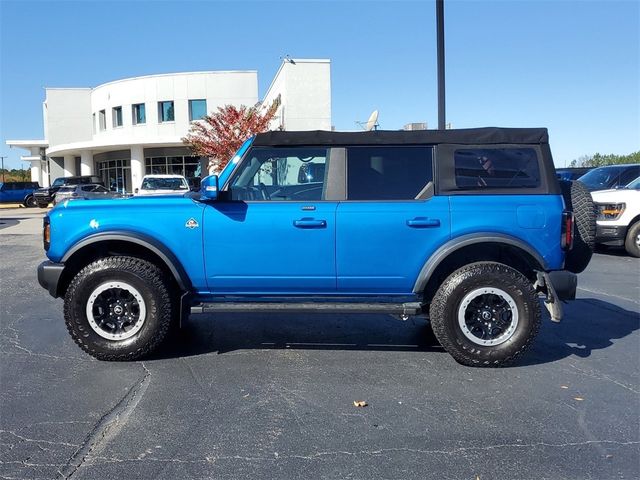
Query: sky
(570, 66)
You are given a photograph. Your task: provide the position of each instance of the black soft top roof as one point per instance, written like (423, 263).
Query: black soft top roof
(468, 136)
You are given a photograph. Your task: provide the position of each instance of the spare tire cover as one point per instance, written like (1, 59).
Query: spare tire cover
(578, 199)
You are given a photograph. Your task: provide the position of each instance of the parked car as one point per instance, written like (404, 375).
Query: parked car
(91, 191)
(610, 176)
(18, 192)
(468, 227)
(618, 221)
(44, 196)
(162, 185)
(571, 173)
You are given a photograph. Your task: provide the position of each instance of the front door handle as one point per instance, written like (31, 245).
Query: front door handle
(423, 222)
(309, 223)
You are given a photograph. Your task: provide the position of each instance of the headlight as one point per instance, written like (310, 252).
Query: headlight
(610, 211)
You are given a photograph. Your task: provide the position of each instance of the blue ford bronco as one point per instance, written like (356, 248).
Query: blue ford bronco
(470, 228)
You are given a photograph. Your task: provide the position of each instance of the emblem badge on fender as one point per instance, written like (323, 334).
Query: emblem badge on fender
(191, 223)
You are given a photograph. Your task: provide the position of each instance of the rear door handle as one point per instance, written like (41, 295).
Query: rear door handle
(309, 223)
(423, 222)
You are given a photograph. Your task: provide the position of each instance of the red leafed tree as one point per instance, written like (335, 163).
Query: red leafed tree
(220, 134)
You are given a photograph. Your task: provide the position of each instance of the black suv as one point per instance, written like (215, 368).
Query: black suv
(44, 196)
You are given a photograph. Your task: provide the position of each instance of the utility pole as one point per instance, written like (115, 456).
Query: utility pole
(3, 168)
(440, 47)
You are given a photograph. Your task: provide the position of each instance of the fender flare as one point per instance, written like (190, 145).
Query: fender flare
(158, 248)
(470, 239)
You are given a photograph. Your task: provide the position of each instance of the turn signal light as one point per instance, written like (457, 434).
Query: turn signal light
(46, 233)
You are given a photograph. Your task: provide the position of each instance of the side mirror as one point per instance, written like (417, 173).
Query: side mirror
(209, 187)
(136, 191)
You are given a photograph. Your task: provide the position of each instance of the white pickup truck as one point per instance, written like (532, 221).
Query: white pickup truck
(162, 185)
(618, 221)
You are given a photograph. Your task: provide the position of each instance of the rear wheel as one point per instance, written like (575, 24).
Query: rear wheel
(30, 202)
(118, 308)
(632, 241)
(485, 314)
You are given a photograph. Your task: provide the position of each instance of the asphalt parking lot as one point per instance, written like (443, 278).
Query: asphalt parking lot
(271, 396)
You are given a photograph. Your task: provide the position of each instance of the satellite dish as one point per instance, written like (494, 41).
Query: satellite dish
(372, 123)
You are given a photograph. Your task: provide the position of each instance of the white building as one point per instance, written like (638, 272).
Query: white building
(123, 129)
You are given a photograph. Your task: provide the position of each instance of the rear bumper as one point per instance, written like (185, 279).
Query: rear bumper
(49, 275)
(612, 235)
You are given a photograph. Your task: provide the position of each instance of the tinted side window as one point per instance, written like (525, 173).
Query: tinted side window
(480, 168)
(388, 173)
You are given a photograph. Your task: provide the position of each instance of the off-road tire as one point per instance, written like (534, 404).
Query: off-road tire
(42, 205)
(447, 301)
(578, 199)
(631, 241)
(30, 202)
(150, 282)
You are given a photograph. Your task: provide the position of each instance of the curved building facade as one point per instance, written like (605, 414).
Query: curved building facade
(125, 129)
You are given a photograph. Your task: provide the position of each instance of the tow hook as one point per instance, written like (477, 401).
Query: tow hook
(552, 302)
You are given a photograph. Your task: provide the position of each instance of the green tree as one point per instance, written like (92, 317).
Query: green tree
(598, 159)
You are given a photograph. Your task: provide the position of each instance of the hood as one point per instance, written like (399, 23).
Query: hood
(616, 196)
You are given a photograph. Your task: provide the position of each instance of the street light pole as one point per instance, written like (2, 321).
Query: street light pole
(440, 47)
(3, 168)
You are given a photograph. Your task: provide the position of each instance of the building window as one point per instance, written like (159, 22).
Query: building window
(102, 117)
(187, 166)
(139, 114)
(165, 111)
(197, 109)
(93, 123)
(116, 113)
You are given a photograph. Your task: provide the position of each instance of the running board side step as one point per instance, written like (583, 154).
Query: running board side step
(403, 309)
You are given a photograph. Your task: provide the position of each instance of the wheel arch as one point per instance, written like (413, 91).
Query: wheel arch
(477, 247)
(121, 243)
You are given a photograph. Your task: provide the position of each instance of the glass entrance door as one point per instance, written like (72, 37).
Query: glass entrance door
(116, 175)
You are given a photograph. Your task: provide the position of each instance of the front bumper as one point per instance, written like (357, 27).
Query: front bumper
(612, 235)
(49, 275)
(43, 197)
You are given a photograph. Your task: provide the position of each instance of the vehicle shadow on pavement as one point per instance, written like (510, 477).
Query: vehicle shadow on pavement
(589, 325)
(224, 333)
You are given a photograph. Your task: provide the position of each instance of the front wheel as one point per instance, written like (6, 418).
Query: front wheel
(118, 308)
(30, 202)
(485, 314)
(632, 240)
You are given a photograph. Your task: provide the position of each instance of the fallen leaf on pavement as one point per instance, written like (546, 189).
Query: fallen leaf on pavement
(579, 399)
(564, 386)
(359, 403)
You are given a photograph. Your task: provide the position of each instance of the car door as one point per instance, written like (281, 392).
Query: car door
(272, 231)
(391, 222)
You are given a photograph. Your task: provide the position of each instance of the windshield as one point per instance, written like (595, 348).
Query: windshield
(233, 163)
(58, 182)
(67, 189)
(635, 185)
(600, 178)
(165, 184)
